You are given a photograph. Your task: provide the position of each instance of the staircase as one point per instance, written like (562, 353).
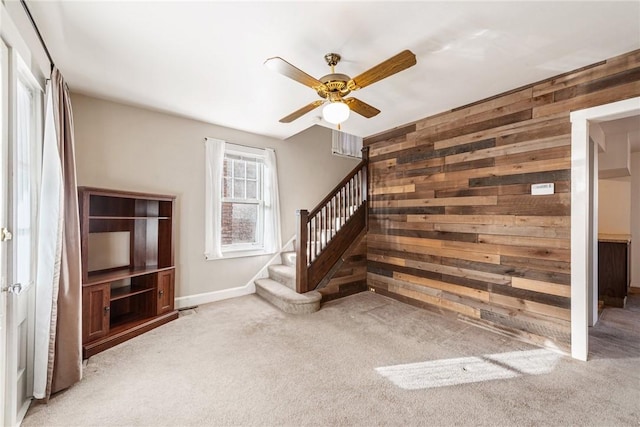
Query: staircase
(323, 236)
(280, 288)
(327, 231)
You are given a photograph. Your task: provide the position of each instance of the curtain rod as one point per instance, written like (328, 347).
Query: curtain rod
(35, 27)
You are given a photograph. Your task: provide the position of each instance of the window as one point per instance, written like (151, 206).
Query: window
(25, 176)
(242, 202)
(242, 215)
(347, 145)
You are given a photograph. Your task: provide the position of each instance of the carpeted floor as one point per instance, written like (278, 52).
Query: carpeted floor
(362, 360)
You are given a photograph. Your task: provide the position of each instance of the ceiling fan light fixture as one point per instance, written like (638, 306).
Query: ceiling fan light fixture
(335, 112)
(333, 87)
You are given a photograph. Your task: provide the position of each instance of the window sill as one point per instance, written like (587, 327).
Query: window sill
(241, 254)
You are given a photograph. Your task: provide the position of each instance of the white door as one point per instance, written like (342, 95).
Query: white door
(4, 206)
(21, 178)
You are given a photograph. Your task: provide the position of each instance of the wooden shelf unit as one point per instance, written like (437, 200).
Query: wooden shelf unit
(120, 302)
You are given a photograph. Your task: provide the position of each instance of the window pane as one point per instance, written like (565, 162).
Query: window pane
(252, 190)
(238, 168)
(226, 168)
(227, 190)
(252, 170)
(22, 190)
(238, 188)
(239, 223)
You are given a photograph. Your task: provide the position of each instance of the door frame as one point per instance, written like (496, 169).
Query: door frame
(584, 236)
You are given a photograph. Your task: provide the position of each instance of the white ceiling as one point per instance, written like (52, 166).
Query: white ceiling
(204, 60)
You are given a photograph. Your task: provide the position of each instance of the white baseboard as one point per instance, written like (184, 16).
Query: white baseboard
(207, 297)
(249, 288)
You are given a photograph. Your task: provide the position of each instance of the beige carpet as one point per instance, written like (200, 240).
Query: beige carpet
(362, 360)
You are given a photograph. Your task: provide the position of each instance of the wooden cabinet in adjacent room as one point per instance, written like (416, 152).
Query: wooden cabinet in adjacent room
(613, 271)
(128, 271)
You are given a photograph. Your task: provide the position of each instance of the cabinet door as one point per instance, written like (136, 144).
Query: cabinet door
(95, 311)
(612, 273)
(165, 291)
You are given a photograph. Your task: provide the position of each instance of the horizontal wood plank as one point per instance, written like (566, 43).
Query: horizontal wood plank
(540, 286)
(393, 133)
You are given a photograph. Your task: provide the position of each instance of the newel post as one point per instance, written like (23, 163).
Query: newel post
(301, 250)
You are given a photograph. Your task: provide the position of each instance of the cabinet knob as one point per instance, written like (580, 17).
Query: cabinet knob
(106, 309)
(160, 294)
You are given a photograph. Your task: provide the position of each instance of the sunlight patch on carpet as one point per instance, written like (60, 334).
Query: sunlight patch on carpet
(464, 370)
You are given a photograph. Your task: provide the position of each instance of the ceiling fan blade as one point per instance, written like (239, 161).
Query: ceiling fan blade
(281, 66)
(361, 108)
(395, 64)
(301, 112)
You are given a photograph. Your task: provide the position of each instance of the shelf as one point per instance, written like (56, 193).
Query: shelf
(123, 273)
(128, 237)
(127, 291)
(119, 194)
(125, 321)
(110, 217)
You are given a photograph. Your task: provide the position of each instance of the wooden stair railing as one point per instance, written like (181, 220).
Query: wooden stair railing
(326, 232)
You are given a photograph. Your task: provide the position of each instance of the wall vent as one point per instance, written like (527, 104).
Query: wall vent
(344, 144)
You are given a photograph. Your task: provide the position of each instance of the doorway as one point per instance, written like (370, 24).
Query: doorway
(584, 218)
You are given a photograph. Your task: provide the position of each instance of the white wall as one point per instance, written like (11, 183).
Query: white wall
(614, 206)
(130, 148)
(614, 161)
(635, 219)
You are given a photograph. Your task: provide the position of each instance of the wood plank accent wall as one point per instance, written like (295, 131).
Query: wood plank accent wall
(452, 224)
(351, 276)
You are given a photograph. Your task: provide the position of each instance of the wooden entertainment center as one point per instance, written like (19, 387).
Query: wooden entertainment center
(128, 270)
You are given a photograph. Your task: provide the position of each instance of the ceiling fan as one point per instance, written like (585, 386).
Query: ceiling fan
(334, 86)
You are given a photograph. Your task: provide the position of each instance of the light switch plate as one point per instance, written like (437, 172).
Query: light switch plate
(542, 189)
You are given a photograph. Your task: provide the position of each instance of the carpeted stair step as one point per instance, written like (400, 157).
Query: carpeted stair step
(287, 299)
(284, 274)
(289, 258)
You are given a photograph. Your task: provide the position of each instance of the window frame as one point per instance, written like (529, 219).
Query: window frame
(245, 249)
(235, 153)
(24, 78)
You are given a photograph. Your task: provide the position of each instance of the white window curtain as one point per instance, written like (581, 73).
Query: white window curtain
(50, 237)
(272, 234)
(214, 155)
(344, 144)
